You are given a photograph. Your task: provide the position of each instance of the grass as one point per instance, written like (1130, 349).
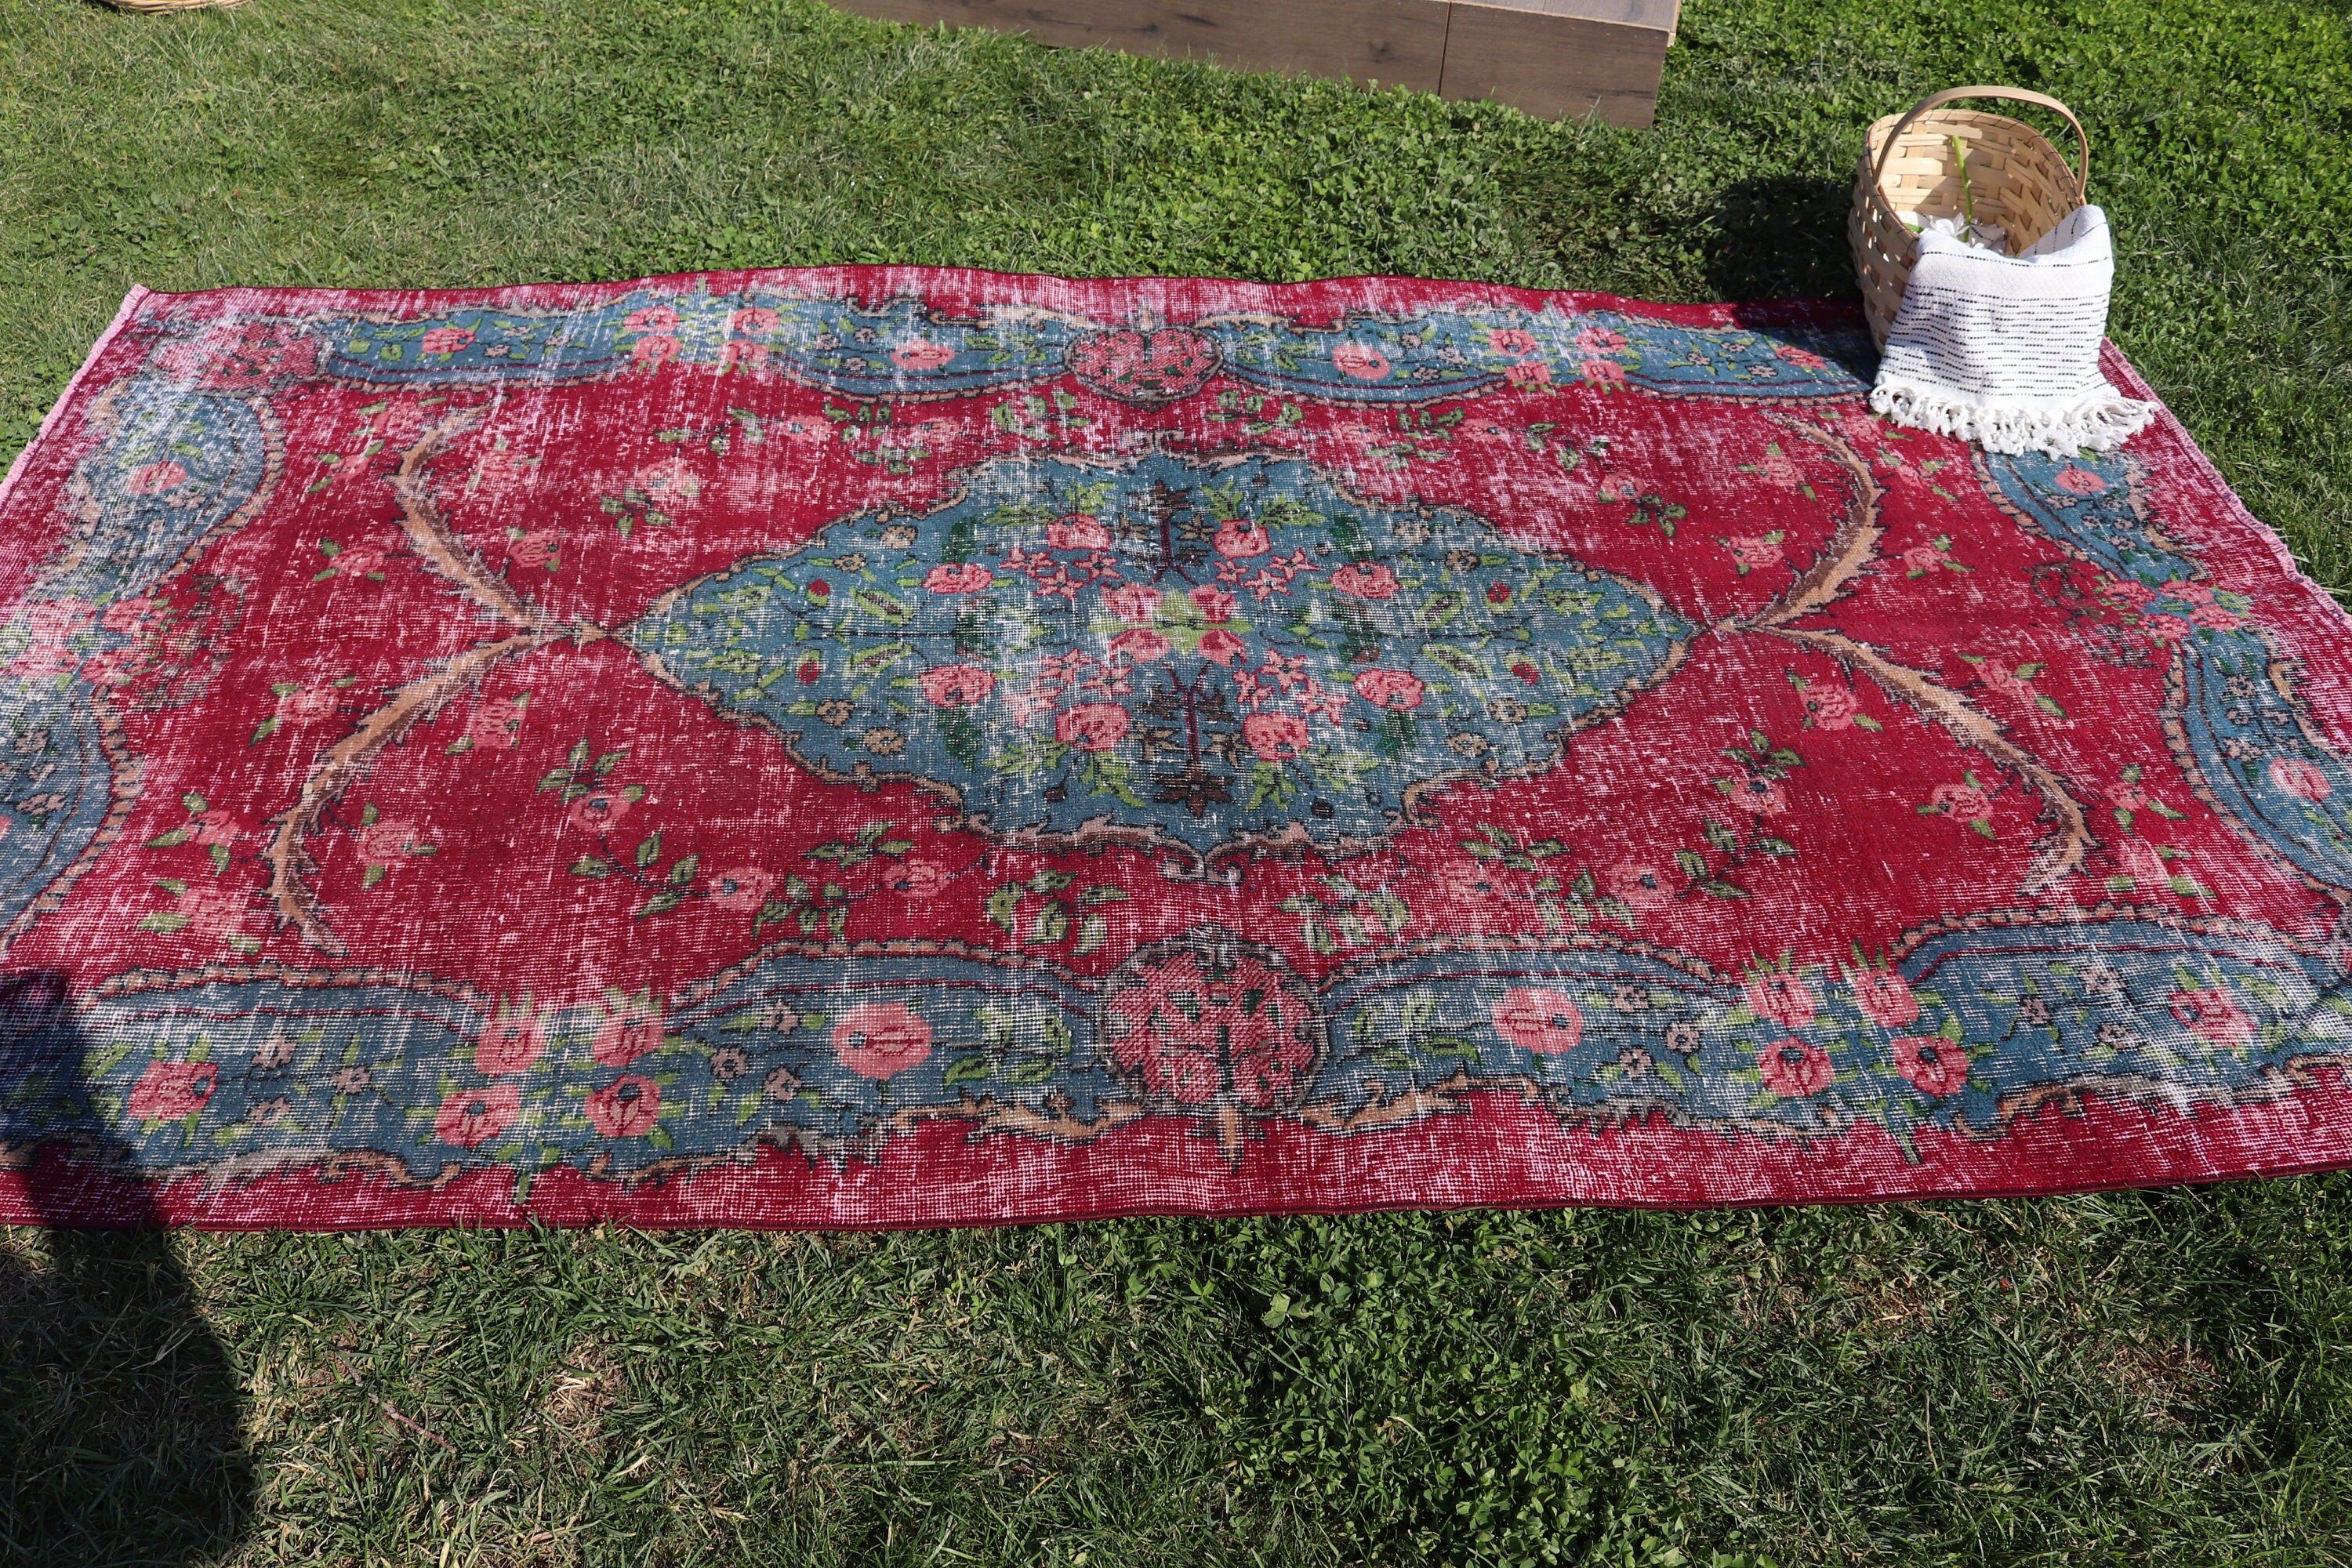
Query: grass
(2133, 1378)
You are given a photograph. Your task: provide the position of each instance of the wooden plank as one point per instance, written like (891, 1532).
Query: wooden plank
(1398, 42)
(1554, 58)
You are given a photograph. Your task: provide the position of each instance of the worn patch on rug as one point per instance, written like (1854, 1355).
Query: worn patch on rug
(888, 746)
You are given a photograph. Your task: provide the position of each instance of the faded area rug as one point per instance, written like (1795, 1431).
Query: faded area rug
(892, 747)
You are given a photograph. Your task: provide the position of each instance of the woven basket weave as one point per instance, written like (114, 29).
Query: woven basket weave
(1909, 164)
(172, 4)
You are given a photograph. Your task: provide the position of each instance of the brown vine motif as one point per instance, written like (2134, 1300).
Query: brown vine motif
(1851, 549)
(343, 764)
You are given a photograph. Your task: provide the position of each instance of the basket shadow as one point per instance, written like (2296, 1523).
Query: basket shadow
(121, 1434)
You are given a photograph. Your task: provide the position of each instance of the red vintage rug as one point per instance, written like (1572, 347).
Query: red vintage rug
(891, 747)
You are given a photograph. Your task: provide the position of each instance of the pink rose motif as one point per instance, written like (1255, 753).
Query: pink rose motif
(1078, 531)
(1221, 647)
(651, 318)
(1935, 1066)
(167, 1091)
(46, 620)
(2166, 626)
(1140, 644)
(1539, 1020)
(117, 667)
(881, 1039)
(2299, 777)
(1864, 429)
(629, 1107)
(921, 356)
(1511, 341)
(1965, 801)
(920, 880)
(134, 616)
(1600, 340)
(757, 322)
(1214, 603)
(655, 351)
(1794, 1068)
(1136, 606)
(1365, 580)
(156, 479)
(600, 811)
(383, 841)
(1602, 373)
(1275, 737)
(1360, 362)
(1803, 359)
(217, 828)
(2217, 617)
(1638, 886)
(1761, 796)
(1754, 550)
(308, 704)
(742, 891)
(214, 912)
(2129, 592)
(358, 561)
(749, 358)
(1091, 726)
(1239, 539)
(1884, 997)
(508, 1044)
(2077, 481)
(2189, 593)
(956, 685)
(496, 723)
(534, 549)
(2143, 863)
(43, 658)
(470, 1118)
(1392, 689)
(956, 577)
(1783, 997)
(1921, 558)
(1615, 488)
(1833, 707)
(1527, 373)
(446, 340)
(2000, 677)
(625, 1036)
(2212, 1015)
(2126, 796)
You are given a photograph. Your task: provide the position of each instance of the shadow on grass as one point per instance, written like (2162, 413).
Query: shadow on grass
(120, 1429)
(1778, 237)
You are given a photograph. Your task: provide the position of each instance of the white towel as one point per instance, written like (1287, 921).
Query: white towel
(2004, 350)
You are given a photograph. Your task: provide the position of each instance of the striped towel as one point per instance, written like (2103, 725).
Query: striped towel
(2004, 350)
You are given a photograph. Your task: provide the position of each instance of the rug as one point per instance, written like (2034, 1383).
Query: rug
(897, 747)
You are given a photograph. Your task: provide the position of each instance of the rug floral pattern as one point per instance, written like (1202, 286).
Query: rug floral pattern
(897, 747)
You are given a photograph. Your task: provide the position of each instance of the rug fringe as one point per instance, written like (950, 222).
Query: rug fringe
(2103, 421)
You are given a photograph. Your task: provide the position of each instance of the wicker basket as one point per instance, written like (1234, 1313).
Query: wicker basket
(1910, 164)
(172, 4)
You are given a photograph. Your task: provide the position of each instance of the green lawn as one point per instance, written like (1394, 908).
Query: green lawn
(2135, 1379)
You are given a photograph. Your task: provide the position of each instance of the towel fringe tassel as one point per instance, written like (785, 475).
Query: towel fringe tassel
(2104, 421)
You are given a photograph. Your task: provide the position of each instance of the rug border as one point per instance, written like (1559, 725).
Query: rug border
(2098, 1144)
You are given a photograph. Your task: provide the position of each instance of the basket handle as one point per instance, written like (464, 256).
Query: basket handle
(2016, 94)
